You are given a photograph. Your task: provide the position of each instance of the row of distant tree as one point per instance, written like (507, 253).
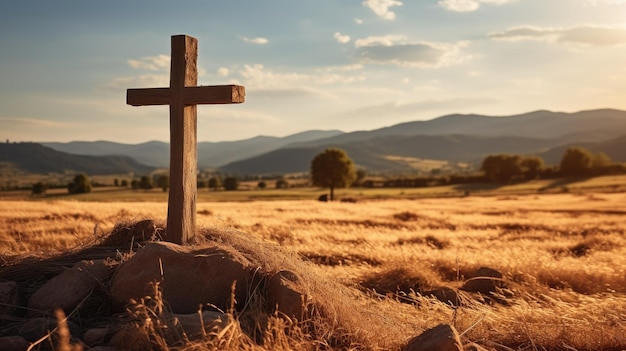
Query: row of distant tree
(508, 168)
(333, 169)
(81, 184)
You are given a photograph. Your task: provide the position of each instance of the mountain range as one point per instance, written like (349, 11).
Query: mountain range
(40, 159)
(453, 138)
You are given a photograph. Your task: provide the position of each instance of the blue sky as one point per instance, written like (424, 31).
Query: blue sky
(343, 64)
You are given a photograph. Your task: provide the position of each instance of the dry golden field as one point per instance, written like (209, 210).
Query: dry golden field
(563, 257)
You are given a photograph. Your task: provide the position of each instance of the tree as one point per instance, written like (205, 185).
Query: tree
(282, 183)
(116, 182)
(145, 183)
(39, 188)
(202, 183)
(262, 185)
(600, 162)
(532, 166)
(503, 167)
(80, 185)
(231, 183)
(124, 183)
(577, 161)
(215, 183)
(332, 169)
(360, 175)
(163, 182)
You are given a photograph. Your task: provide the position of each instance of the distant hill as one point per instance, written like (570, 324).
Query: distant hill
(36, 158)
(453, 138)
(378, 154)
(614, 148)
(593, 125)
(210, 154)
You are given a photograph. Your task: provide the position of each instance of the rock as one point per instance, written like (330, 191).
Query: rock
(131, 338)
(193, 326)
(13, 343)
(440, 338)
(485, 281)
(473, 347)
(96, 336)
(68, 289)
(35, 328)
(9, 298)
(188, 278)
(445, 295)
(103, 348)
(286, 294)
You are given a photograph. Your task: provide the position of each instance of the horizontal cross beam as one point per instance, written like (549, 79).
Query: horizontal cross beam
(214, 94)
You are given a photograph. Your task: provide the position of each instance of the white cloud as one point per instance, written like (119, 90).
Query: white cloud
(358, 21)
(258, 77)
(229, 113)
(153, 63)
(381, 7)
(341, 38)
(386, 40)
(142, 81)
(584, 34)
(468, 5)
(258, 40)
(605, 2)
(344, 68)
(223, 71)
(394, 49)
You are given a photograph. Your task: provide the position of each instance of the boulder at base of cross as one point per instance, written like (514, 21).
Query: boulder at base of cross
(188, 279)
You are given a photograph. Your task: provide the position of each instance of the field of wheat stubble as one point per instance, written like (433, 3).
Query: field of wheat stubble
(562, 258)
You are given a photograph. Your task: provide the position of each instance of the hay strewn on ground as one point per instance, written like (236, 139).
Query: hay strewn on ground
(563, 258)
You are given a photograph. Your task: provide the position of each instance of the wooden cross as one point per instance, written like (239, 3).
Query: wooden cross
(182, 96)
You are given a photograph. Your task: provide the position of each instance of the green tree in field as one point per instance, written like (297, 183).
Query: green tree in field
(124, 183)
(163, 182)
(360, 175)
(282, 183)
(116, 182)
(80, 185)
(600, 161)
(262, 185)
(332, 169)
(39, 188)
(145, 183)
(231, 183)
(502, 168)
(532, 166)
(576, 161)
(215, 183)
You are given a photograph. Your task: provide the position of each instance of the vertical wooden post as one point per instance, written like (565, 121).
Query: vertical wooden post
(181, 210)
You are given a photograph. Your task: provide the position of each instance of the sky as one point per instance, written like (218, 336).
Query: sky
(350, 65)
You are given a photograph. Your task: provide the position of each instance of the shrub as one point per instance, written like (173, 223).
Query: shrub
(80, 185)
